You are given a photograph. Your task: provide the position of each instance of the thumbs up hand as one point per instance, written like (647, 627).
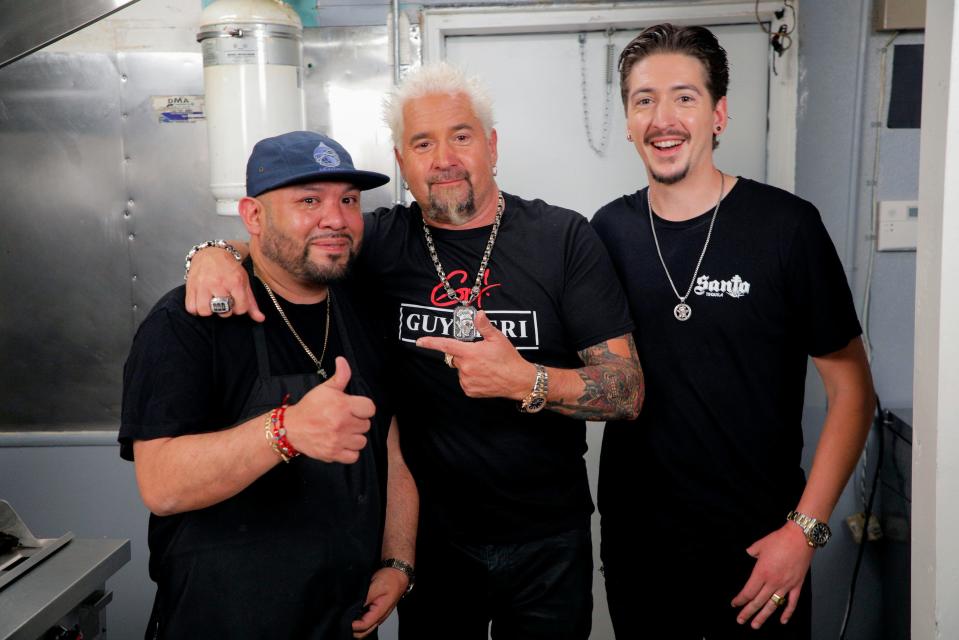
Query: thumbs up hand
(489, 368)
(329, 424)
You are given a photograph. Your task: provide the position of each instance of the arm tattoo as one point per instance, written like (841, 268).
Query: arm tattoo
(614, 385)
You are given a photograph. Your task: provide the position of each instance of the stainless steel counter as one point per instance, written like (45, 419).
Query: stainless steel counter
(59, 585)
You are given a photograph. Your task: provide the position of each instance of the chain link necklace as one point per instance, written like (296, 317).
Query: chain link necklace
(683, 311)
(599, 150)
(464, 327)
(326, 332)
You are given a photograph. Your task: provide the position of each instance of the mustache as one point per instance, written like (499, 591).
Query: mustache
(648, 138)
(334, 235)
(446, 176)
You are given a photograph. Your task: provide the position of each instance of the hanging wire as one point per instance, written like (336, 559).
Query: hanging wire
(780, 40)
(873, 225)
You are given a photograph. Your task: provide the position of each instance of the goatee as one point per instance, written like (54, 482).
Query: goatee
(449, 210)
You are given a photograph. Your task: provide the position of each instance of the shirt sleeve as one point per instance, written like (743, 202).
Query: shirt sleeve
(594, 305)
(819, 294)
(168, 378)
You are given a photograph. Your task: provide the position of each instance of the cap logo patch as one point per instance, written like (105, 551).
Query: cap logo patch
(326, 156)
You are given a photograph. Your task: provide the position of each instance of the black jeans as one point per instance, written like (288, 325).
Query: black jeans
(659, 595)
(541, 589)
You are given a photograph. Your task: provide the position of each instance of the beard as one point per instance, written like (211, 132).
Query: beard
(283, 251)
(676, 177)
(449, 209)
(670, 179)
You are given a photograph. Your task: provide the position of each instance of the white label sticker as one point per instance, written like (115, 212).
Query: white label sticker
(178, 108)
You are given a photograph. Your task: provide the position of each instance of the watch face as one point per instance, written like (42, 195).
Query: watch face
(820, 534)
(535, 404)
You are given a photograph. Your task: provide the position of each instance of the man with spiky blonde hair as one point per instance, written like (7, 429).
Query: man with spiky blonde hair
(495, 308)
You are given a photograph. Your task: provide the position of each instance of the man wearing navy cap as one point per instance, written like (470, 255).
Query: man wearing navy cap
(493, 429)
(264, 462)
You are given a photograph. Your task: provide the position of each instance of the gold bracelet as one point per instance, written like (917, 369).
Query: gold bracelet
(272, 438)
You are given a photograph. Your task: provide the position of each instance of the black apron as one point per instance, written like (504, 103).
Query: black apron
(291, 556)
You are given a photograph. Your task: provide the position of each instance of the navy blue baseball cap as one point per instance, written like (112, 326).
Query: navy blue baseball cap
(303, 156)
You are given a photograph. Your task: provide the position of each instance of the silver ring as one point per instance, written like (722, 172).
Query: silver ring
(221, 304)
(449, 360)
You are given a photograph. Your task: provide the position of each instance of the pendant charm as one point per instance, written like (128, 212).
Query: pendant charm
(682, 311)
(322, 373)
(464, 327)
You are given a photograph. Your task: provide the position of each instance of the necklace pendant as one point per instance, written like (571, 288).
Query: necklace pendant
(464, 325)
(682, 311)
(322, 372)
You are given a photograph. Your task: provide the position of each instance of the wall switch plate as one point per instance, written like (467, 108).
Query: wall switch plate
(898, 225)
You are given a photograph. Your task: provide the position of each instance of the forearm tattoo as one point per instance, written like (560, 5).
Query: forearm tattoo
(614, 388)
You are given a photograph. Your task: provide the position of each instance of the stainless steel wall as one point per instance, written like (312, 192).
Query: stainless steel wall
(99, 201)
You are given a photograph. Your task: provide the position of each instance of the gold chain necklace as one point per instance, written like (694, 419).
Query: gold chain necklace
(326, 333)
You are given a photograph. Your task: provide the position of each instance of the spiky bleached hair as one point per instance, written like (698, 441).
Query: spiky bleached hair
(431, 79)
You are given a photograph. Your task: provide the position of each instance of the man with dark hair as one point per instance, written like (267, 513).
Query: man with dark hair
(732, 284)
(493, 428)
(249, 538)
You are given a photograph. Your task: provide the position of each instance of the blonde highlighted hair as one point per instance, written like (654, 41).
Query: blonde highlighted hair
(432, 79)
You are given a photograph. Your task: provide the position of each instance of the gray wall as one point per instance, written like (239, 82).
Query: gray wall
(838, 93)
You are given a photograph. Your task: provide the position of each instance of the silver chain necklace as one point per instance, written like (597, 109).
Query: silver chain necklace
(464, 326)
(326, 332)
(683, 311)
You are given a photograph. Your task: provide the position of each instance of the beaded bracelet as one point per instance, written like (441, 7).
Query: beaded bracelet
(276, 433)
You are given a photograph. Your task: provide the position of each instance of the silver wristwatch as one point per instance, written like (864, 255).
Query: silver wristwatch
(405, 567)
(817, 533)
(536, 399)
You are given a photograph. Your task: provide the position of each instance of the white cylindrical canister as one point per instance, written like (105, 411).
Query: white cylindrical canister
(253, 77)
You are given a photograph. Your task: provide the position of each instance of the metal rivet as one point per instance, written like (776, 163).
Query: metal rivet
(132, 236)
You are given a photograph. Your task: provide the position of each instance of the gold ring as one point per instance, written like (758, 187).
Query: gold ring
(777, 599)
(449, 360)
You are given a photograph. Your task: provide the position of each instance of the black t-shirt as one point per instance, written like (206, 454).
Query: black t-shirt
(304, 536)
(715, 453)
(485, 471)
(186, 374)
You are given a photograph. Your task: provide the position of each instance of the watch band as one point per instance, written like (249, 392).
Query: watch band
(817, 533)
(536, 400)
(405, 567)
(804, 521)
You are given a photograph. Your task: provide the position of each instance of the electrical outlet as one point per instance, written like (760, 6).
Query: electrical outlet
(855, 523)
(898, 222)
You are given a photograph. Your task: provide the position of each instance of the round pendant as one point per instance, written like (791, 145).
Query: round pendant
(682, 311)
